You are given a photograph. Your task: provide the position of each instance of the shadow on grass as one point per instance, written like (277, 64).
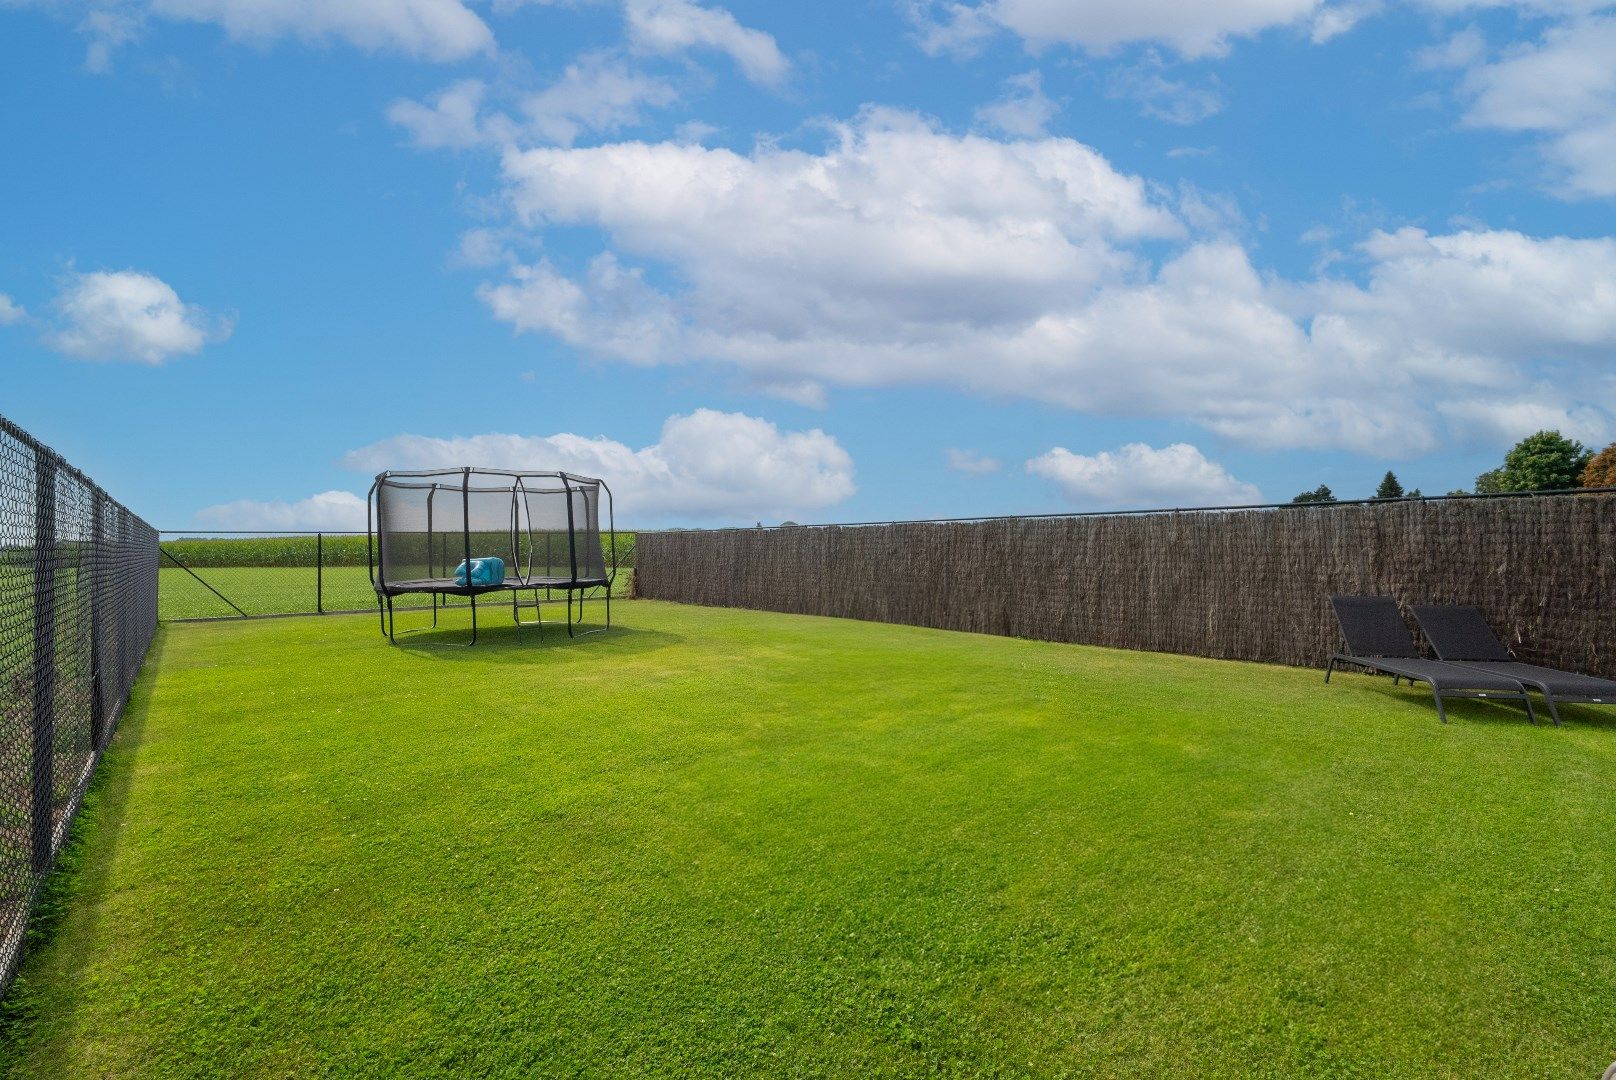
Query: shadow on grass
(451, 642)
(82, 869)
(1602, 717)
(1500, 710)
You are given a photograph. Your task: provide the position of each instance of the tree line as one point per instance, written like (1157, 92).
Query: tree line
(1545, 461)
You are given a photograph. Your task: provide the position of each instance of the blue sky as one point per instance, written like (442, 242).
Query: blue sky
(823, 262)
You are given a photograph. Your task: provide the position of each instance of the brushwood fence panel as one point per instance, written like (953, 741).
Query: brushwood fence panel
(1240, 585)
(78, 608)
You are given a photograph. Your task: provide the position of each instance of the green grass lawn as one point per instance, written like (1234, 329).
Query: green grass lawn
(725, 843)
(287, 590)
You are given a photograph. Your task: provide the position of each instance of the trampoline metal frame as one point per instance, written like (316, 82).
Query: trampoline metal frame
(376, 559)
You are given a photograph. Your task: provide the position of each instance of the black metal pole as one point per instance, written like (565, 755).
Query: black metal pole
(572, 553)
(44, 713)
(319, 573)
(465, 520)
(98, 585)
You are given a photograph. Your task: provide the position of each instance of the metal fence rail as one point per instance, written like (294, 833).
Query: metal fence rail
(78, 607)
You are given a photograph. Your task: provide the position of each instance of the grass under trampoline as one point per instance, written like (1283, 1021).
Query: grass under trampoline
(725, 843)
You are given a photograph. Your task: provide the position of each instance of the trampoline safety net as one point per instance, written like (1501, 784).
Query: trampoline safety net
(545, 526)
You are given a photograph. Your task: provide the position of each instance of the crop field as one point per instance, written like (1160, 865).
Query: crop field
(278, 576)
(289, 590)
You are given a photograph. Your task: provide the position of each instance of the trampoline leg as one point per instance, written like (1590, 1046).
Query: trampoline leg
(381, 615)
(391, 639)
(474, 618)
(574, 626)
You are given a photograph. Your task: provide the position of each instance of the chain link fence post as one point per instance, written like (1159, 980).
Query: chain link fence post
(43, 767)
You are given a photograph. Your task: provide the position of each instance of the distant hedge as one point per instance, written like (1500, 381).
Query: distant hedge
(300, 550)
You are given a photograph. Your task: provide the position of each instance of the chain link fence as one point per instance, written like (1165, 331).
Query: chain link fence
(78, 608)
(240, 575)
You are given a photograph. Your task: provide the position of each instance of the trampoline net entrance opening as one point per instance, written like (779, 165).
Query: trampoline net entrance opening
(545, 526)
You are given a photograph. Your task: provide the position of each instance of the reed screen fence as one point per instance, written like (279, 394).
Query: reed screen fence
(78, 608)
(1248, 584)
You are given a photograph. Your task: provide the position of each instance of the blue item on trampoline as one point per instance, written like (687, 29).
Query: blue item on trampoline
(488, 571)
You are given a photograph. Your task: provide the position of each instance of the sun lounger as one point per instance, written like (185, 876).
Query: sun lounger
(1460, 635)
(1378, 639)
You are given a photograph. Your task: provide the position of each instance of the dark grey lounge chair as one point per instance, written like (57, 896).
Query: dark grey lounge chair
(1379, 641)
(1460, 635)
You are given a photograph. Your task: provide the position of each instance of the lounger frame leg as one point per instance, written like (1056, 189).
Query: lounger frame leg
(1525, 699)
(1437, 695)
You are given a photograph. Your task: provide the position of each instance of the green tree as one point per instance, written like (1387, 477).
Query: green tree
(1390, 487)
(1416, 494)
(1601, 469)
(1545, 461)
(1320, 494)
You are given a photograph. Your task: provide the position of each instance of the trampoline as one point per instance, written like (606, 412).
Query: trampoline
(426, 529)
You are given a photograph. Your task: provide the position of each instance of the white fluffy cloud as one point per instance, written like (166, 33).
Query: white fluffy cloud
(706, 466)
(437, 30)
(10, 311)
(1024, 109)
(1141, 476)
(1500, 422)
(1172, 100)
(1201, 28)
(453, 120)
(1562, 87)
(329, 510)
(902, 254)
(128, 315)
(674, 26)
(596, 93)
(1190, 28)
(969, 461)
(894, 229)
